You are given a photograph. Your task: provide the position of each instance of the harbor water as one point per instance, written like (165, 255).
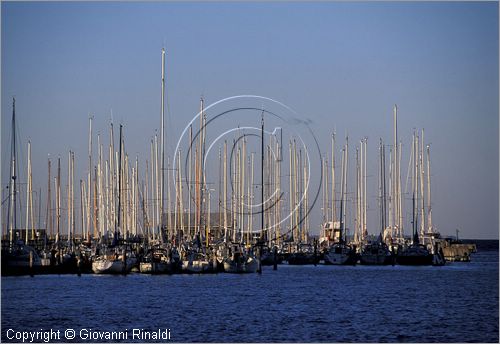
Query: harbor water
(453, 303)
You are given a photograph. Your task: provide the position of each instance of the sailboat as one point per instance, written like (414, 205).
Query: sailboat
(341, 253)
(195, 259)
(114, 263)
(156, 261)
(378, 253)
(115, 260)
(416, 253)
(196, 262)
(18, 258)
(240, 260)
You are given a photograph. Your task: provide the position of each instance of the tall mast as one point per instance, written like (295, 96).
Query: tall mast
(181, 204)
(89, 178)
(168, 228)
(190, 150)
(278, 194)
(382, 187)
(242, 188)
(357, 219)
(422, 177)
(263, 236)
(220, 189)
(48, 216)
(345, 181)
(295, 194)
(415, 190)
(119, 174)
(29, 202)
(365, 230)
(73, 193)
(325, 188)
(395, 196)
(201, 176)
(291, 210)
(429, 209)
(225, 191)
(112, 180)
(69, 198)
(162, 182)
(250, 193)
(342, 191)
(157, 191)
(391, 220)
(12, 213)
(333, 179)
(400, 198)
(58, 202)
(82, 207)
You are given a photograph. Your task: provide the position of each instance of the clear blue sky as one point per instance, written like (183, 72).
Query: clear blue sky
(343, 65)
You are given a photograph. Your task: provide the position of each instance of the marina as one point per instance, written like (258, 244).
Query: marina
(316, 303)
(249, 172)
(121, 229)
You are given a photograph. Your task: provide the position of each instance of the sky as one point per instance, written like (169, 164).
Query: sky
(341, 66)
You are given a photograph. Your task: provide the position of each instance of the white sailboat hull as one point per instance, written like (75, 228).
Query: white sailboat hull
(249, 266)
(195, 266)
(112, 266)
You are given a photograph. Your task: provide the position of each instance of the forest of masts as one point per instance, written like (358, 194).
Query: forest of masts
(129, 201)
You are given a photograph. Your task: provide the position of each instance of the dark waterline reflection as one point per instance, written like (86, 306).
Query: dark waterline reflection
(454, 303)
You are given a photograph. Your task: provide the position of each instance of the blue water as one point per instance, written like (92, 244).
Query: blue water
(454, 303)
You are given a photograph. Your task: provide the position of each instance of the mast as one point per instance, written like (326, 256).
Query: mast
(291, 189)
(112, 181)
(395, 170)
(391, 220)
(162, 182)
(29, 201)
(382, 189)
(278, 194)
(189, 181)
(82, 207)
(357, 219)
(73, 194)
(12, 211)
(400, 198)
(201, 175)
(157, 192)
(169, 206)
(48, 214)
(422, 203)
(414, 188)
(342, 190)
(345, 181)
(181, 204)
(429, 209)
(69, 198)
(225, 191)
(219, 193)
(333, 179)
(296, 236)
(118, 223)
(58, 202)
(263, 234)
(250, 193)
(89, 178)
(325, 189)
(306, 204)
(242, 187)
